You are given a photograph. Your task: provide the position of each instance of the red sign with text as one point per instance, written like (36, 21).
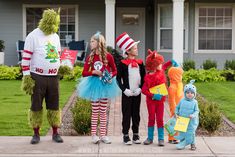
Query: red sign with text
(68, 57)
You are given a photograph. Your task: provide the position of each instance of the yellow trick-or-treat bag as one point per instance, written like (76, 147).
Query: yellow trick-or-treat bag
(159, 89)
(181, 124)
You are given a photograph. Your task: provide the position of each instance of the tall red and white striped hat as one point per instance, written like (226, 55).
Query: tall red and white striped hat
(124, 42)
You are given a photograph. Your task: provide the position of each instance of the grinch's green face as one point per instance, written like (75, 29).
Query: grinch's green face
(50, 21)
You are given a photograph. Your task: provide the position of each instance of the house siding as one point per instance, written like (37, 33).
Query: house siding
(91, 18)
(199, 58)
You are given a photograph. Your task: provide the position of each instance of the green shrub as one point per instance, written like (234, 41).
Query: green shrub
(188, 64)
(64, 70)
(229, 65)
(74, 75)
(10, 73)
(229, 75)
(210, 117)
(211, 75)
(208, 64)
(82, 116)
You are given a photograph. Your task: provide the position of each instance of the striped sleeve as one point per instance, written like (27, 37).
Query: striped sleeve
(27, 54)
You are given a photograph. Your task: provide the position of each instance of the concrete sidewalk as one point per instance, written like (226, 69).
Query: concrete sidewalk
(82, 146)
(15, 146)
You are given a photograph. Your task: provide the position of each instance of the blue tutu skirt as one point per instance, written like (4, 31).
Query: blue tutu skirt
(92, 88)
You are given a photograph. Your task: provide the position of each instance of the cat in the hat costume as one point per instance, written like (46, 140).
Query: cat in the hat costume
(98, 85)
(130, 79)
(155, 102)
(40, 65)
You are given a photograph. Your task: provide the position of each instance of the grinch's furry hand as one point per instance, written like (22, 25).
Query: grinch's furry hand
(27, 84)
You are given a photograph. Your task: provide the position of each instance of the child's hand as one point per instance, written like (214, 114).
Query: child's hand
(128, 92)
(190, 116)
(97, 72)
(174, 63)
(157, 97)
(137, 92)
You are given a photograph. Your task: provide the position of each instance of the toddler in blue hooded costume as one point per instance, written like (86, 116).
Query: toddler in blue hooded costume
(188, 107)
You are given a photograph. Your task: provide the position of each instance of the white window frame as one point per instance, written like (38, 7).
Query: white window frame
(49, 6)
(213, 5)
(158, 36)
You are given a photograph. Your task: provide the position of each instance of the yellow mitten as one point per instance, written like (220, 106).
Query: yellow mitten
(27, 84)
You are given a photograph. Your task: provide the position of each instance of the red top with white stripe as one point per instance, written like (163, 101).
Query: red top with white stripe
(97, 64)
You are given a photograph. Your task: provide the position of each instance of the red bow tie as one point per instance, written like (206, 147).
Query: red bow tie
(134, 62)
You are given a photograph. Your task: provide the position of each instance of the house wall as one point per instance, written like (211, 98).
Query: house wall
(199, 58)
(91, 17)
(149, 18)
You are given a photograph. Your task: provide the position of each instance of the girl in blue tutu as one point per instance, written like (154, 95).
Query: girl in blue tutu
(98, 85)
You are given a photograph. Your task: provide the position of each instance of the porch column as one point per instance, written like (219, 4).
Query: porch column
(110, 22)
(178, 30)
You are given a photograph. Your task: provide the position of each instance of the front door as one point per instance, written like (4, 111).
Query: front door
(132, 21)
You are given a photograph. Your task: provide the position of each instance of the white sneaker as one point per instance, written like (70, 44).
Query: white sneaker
(95, 139)
(106, 140)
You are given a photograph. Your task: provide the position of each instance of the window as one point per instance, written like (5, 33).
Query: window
(214, 28)
(67, 30)
(165, 16)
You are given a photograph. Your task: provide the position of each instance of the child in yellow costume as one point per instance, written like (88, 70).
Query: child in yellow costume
(175, 92)
(40, 64)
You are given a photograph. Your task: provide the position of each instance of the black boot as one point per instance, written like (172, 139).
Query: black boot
(35, 139)
(57, 138)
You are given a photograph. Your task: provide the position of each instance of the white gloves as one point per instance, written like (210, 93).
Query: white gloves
(128, 92)
(137, 92)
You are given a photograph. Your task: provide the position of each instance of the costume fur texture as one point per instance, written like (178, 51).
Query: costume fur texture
(35, 118)
(54, 117)
(27, 84)
(50, 21)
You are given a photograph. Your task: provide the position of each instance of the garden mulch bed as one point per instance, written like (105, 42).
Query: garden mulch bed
(226, 129)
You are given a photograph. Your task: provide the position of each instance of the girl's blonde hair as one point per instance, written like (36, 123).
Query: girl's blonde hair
(101, 48)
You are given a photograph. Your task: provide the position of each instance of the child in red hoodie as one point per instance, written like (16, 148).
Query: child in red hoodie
(155, 102)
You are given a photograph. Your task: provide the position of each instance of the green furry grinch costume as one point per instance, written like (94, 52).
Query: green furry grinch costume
(40, 64)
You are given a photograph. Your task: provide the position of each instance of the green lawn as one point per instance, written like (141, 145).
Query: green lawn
(223, 93)
(14, 107)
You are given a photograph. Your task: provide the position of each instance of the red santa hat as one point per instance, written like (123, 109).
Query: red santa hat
(124, 42)
(153, 60)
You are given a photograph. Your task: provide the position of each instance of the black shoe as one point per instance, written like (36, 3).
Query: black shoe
(57, 138)
(136, 139)
(126, 140)
(193, 147)
(173, 141)
(35, 139)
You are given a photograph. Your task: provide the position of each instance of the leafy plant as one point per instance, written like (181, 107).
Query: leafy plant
(229, 65)
(64, 70)
(210, 117)
(10, 73)
(74, 75)
(211, 75)
(229, 75)
(208, 64)
(188, 64)
(82, 116)
(2, 47)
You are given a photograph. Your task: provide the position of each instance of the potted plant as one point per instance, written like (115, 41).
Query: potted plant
(2, 47)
